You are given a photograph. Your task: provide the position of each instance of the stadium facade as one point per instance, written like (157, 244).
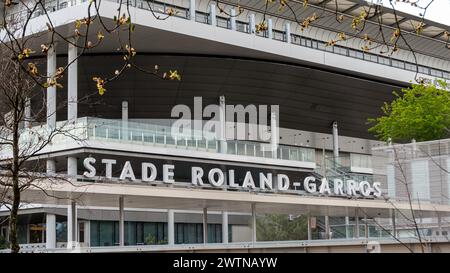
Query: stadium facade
(133, 181)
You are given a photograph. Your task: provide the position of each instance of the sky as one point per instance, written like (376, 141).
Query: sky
(439, 10)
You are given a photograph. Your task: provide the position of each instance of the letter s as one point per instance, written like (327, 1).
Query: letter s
(87, 163)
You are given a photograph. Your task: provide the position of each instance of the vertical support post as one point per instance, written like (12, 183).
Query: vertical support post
(125, 132)
(171, 227)
(72, 82)
(309, 228)
(274, 134)
(192, 10)
(223, 125)
(121, 221)
(72, 225)
(51, 90)
(224, 227)
(205, 225)
(233, 19)
(439, 223)
(27, 114)
(335, 143)
(356, 224)
(287, 31)
(394, 224)
(51, 101)
(72, 167)
(251, 24)
(414, 148)
(253, 223)
(212, 14)
(327, 227)
(50, 230)
(366, 228)
(347, 227)
(87, 233)
(269, 29)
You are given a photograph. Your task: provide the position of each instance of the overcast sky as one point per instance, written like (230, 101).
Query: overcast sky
(438, 11)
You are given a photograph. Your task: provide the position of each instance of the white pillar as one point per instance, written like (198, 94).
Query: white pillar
(251, 24)
(121, 221)
(50, 230)
(233, 19)
(212, 14)
(87, 233)
(205, 225)
(347, 227)
(27, 114)
(171, 227)
(357, 224)
(327, 227)
(335, 140)
(72, 82)
(269, 28)
(366, 227)
(72, 225)
(51, 90)
(72, 167)
(309, 228)
(223, 125)
(253, 223)
(125, 132)
(274, 134)
(439, 219)
(394, 224)
(287, 30)
(192, 10)
(51, 101)
(224, 227)
(51, 166)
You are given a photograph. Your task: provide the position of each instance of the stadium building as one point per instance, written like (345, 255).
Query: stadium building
(133, 183)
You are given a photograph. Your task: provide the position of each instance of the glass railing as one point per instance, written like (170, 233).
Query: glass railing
(151, 133)
(202, 17)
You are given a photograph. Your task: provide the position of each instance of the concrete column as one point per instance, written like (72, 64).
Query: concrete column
(366, 228)
(327, 227)
(233, 19)
(335, 142)
(51, 166)
(72, 225)
(347, 227)
(287, 32)
(309, 228)
(72, 83)
(394, 224)
(223, 125)
(439, 219)
(50, 230)
(205, 225)
(121, 221)
(192, 10)
(87, 233)
(253, 223)
(51, 90)
(27, 114)
(414, 147)
(72, 167)
(171, 227)
(212, 15)
(251, 24)
(274, 134)
(269, 28)
(125, 132)
(224, 227)
(51, 101)
(356, 224)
